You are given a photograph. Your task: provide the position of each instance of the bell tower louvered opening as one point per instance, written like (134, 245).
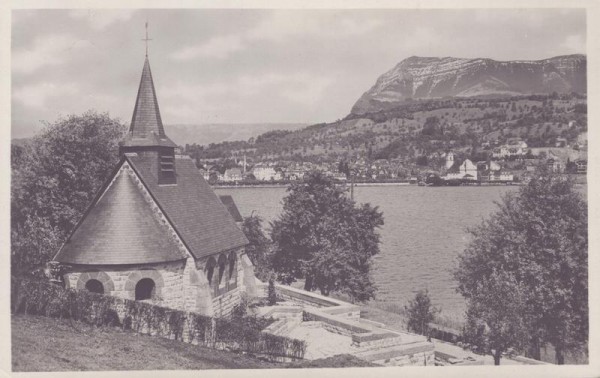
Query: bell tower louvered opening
(166, 167)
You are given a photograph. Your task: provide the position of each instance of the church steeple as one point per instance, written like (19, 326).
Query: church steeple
(146, 124)
(146, 114)
(146, 128)
(146, 134)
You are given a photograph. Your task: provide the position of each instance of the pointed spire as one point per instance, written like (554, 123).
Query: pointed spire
(146, 128)
(146, 114)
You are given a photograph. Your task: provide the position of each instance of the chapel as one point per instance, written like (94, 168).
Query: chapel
(156, 231)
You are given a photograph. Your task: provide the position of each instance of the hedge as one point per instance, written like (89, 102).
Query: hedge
(243, 334)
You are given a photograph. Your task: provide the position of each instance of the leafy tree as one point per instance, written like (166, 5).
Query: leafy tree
(431, 127)
(538, 238)
(420, 313)
(53, 181)
(422, 161)
(213, 177)
(343, 167)
(570, 167)
(325, 238)
(496, 321)
(258, 249)
(580, 108)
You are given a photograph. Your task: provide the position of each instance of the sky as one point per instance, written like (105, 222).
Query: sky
(251, 66)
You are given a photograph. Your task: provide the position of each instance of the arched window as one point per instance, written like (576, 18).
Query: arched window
(222, 264)
(210, 270)
(232, 272)
(94, 286)
(144, 289)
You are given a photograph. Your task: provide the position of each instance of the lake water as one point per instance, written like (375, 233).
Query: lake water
(424, 231)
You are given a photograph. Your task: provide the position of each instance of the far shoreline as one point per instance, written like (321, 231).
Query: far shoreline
(363, 184)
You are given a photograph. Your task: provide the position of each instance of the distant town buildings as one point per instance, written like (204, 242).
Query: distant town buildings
(233, 175)
(262, 173)
(500, 163)
(515, 148)
(581, 166)
(449, 160)
(462, 171)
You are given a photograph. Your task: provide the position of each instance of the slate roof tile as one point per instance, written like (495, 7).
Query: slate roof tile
(120, 229)
(146, 124)
(202, 221)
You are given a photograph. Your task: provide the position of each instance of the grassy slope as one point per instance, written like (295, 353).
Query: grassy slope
(44, 344)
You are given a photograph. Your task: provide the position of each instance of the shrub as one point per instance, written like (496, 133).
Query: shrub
(420, 313)
(241, 333)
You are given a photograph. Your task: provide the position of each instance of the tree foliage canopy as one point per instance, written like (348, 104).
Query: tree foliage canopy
(537, 242)
(325, 238)
(496, 320)
(420, 313)
(54, 178)
(259, 248)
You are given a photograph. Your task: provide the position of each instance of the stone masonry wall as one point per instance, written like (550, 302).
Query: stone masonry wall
(180, 285)
(416, 359)
(120, 281)
(223, 305)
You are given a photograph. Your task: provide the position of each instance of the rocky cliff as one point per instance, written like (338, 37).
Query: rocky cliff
(419, 77)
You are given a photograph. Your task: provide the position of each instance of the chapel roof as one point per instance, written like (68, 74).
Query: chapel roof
(119, 228)
(195, 211)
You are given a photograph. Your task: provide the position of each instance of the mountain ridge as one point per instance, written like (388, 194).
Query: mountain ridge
(438, 77)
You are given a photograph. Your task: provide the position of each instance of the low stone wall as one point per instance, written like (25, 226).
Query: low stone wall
(369, 341)
(310, 299)
(415, 356)
(333, 323)
(376, 339)
(529, 361)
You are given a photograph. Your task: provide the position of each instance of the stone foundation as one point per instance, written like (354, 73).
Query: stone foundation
(120, 281)
(223, 305)
(181, 285)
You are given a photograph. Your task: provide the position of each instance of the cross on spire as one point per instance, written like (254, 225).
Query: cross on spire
(146, 39)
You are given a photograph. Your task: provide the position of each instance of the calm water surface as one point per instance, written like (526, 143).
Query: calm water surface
(424, 231)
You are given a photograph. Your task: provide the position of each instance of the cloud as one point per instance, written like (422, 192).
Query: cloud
(278, 27)
(575, 43)
(299, 87)
(218, 47)
(282, 24)
(46, 50)
(306, 90)
(37, 95)
(183, 101)
(100, 19)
